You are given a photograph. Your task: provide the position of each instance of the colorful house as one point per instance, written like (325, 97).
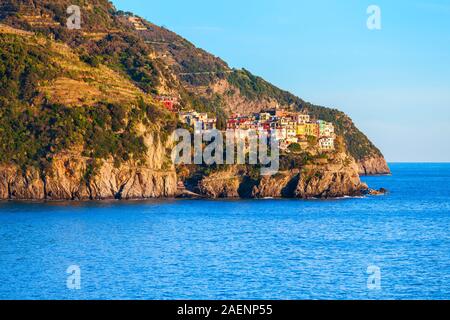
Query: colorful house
(232, 124)
(280, 133)
(264, 116)
(291, 129)
(312, 129)
(198, 120)
(301, 130)
(210, 124)
(169, 103)
(326, 143)
(326, 129)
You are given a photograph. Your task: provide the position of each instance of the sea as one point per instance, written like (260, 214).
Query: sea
(395, 246)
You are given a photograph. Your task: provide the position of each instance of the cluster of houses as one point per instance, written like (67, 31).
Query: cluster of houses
(200, 121)
(288, 127)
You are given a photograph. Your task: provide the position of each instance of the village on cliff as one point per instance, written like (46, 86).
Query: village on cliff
(288, 127)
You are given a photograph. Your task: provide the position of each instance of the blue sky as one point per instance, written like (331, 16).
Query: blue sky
(393, 82)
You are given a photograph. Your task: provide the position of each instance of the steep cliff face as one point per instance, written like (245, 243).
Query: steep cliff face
(375, 165)
(337, 177)
(72, 177)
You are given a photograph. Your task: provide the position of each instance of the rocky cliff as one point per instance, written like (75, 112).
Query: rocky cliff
(82, 131)
(375, 165)
(67, 182)
(334, 177)
(72, 177)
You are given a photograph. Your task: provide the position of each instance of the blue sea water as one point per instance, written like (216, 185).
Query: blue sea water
(267, 249)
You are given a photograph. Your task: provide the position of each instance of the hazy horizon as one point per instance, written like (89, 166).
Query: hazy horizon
(393, 82)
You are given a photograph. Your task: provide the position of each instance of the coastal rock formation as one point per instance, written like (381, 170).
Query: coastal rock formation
(221, 185)
(15, 184)
(331, 180)
(72, 177)
(373, 166)
(68, 182)
(380, 192)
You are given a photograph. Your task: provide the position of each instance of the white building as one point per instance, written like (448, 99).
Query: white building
(280, 133)
(303, 118)
(326, 143)
(326, 129)
(200, 120)
(264, 116)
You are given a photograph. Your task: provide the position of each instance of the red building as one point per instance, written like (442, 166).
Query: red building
(169, 102)
(232, 124)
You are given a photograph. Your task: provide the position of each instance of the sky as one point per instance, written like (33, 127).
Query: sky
(394, 82)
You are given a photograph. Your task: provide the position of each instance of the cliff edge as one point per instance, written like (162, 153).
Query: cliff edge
(332, 179)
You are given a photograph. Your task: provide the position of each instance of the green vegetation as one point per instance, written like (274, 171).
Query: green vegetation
(193, 60)
(32, 136)
(312, 141)
(127, 53)
(100, 16)
(33, 131)
(295, 147)
(21, 67)
(289, 162)
(253, 87)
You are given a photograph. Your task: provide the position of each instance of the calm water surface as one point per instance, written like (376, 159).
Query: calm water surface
(268, 249)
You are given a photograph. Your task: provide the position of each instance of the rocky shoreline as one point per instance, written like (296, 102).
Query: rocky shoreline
(328, 182)
(129, 183)
(71, 178)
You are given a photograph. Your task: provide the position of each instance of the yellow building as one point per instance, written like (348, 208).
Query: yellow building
(312, 129)
(301, 129)
(264, 116)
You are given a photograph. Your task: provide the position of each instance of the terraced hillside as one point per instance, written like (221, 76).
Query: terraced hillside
(160, 62)
(108, 71)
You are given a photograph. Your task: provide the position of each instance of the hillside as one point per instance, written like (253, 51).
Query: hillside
(79, 119)
(70, 130)
(160, 62)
